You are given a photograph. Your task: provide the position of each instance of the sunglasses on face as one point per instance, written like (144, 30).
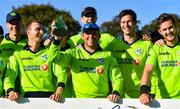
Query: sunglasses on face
(90, 15)
(93, 32)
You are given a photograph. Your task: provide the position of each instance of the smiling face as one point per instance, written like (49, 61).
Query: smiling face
(35, 32)
(91, 38)
(127, 25)
(168, 30)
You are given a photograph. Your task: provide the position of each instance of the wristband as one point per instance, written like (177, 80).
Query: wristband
(9, 90)
(61, 84)
(116, 92)
(144, 89)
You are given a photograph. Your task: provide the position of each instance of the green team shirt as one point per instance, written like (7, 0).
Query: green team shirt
(91, 73)
(104, 40)
(131, 60)
(166, 62)
(2, 68)
(34, 69)
(7, 48)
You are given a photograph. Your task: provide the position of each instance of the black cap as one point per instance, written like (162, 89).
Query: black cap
(89, 10)
(13, 16)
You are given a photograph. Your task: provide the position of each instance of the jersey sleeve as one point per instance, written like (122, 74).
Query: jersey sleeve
(60, 72)
(11, 73)
(54, 51)
(106, 41)
(115, 76)
(152, 56)
(75, 40)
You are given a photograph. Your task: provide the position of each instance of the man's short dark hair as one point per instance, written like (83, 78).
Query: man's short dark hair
(165, 17)
(128, 12)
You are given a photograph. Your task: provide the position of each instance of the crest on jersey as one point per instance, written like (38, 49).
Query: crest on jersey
(138, 51)
(100, 60)
(44, 57)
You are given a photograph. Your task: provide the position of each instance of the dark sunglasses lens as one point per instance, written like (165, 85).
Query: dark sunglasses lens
(94, 32)
(89, 15)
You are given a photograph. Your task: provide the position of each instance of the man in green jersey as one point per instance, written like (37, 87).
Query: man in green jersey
(33, 64)
(165, 60)
(13, 41)
(92, 68)
(130, 52)
(89, 14)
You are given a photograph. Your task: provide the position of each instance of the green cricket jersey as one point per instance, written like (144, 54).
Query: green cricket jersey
(131, 60)
(91, 73)
(166, 62)
(104, 40)
(34, 69)
(2, 68)
(7, 48)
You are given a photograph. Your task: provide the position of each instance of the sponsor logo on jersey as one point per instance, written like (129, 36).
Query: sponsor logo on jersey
(164, 53)
(100, 70)
(8, 50)
(28, 58)
(138, 51)
(31, 68)
(120, 51)
(170, 63)
(125, 61)
(87, 69)
(84, 59)
(44, 57)
(100, 60)
(137, 61)
(44, 67)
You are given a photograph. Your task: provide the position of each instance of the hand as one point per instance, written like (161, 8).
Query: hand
(146, 37)
(47, 42)
(113, 97)
(160, 42)
(145, 99)
(13, 95)
(57, 96)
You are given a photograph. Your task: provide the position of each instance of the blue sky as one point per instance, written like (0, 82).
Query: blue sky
(146, 10)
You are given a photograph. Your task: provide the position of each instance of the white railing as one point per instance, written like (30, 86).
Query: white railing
(87, 103)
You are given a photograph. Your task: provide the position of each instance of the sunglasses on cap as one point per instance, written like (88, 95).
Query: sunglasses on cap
(91, 28)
